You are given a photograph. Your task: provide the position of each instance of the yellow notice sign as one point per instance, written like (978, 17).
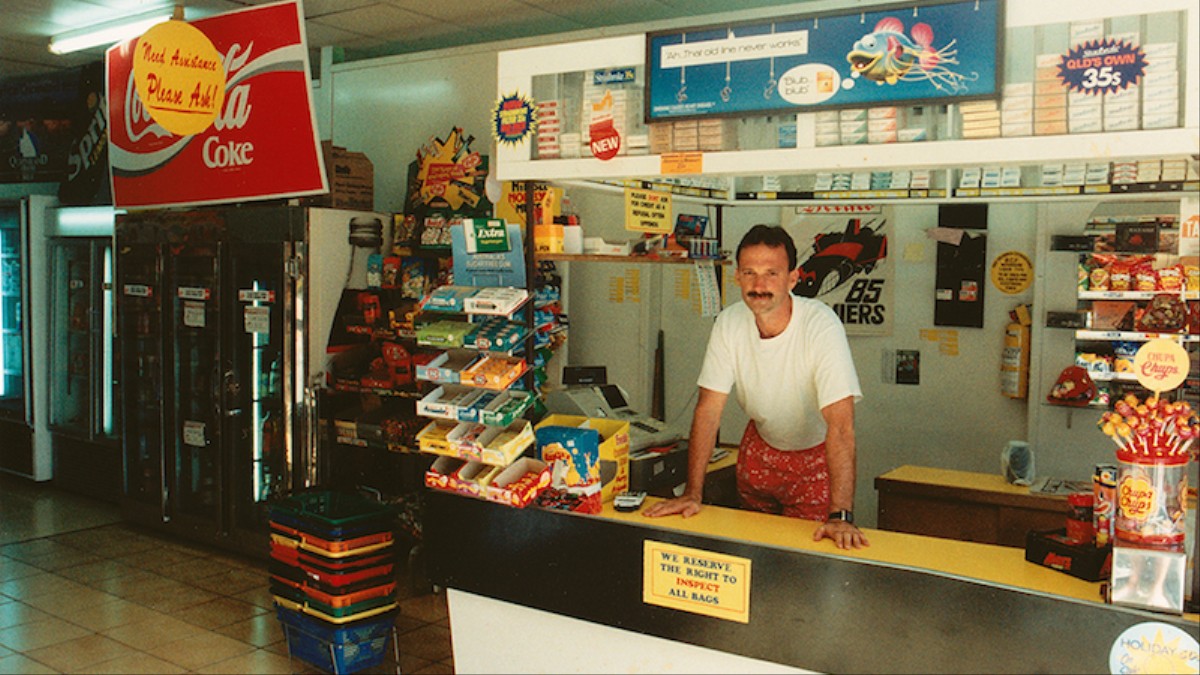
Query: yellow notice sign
(700, 582)
(1012, 272)
(180, 77)
(647, 211)
(676, 163)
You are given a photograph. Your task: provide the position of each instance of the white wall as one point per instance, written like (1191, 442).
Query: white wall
(388, 108)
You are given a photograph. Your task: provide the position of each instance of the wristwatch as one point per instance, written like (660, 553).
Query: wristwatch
(843, 515)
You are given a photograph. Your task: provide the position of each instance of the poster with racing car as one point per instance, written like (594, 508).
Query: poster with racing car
(922, 52)
(844, 259)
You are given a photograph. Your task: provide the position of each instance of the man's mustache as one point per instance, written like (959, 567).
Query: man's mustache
(756, 294)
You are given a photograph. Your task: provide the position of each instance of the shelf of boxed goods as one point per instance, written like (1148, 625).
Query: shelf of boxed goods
(477, 428)
(943, 158)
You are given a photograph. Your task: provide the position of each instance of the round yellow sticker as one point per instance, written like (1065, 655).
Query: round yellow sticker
(1012, 272)
(1161, 365)
(179, 77)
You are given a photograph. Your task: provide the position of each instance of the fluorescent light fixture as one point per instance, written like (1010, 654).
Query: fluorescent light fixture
(108, 33)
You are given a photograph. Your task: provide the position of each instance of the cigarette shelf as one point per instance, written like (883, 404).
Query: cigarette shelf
(626, 259)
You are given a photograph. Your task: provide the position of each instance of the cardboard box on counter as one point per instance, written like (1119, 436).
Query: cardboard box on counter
(614, 449)
(351, 180)
(658, 472)
(515, 485)
(1052, 549)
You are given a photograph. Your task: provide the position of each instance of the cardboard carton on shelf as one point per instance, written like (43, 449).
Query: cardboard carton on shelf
(351, 178)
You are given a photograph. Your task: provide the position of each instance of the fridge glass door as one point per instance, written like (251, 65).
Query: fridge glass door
(12, 368)
(200, 377)
(140, 292)
(260, 344)
(71, 347)
(106, 422)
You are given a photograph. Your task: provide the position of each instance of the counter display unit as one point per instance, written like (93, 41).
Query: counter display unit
(964, 505)
(905, 604)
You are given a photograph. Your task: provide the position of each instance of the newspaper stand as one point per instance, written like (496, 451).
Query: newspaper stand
(332, 564)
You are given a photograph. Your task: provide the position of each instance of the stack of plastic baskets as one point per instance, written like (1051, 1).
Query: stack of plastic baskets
(332, 575)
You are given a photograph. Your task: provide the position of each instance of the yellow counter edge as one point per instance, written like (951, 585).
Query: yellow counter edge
(998, 565)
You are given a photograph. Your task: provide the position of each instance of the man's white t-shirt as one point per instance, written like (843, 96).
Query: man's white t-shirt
(782, 382)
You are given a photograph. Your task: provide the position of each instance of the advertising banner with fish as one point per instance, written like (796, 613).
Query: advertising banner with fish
(906, 54)
(844, 262)
(241, 126)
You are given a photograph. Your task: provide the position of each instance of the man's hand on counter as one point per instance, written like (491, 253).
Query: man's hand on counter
(843, 534)
(686, 506)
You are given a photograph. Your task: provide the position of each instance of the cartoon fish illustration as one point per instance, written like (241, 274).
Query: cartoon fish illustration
(887, 56)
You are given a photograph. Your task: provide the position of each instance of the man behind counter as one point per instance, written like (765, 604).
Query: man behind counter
(790, 363)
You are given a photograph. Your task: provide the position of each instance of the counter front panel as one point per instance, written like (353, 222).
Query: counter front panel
(811, 606)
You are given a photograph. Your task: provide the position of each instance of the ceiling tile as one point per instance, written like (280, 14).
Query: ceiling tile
(319, 8)
(376, 19)
(318, 34)
(609, 12)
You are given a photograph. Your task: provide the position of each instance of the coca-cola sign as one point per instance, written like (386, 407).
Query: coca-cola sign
(263, 143)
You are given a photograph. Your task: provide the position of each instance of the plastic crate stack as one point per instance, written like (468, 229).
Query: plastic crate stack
(333, 578)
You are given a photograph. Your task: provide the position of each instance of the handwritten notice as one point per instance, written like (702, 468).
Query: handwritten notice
(180, 77)
(1012, 272)
(696, 581)
(681, 163)
(647, 211)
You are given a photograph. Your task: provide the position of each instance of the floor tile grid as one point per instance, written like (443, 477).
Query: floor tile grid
(69, 602)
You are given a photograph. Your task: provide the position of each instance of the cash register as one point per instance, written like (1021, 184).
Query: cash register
(610, 401)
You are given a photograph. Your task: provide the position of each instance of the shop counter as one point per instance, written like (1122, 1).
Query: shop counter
(964, 505)
(532, 589)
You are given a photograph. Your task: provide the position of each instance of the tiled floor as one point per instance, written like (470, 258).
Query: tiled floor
(82, 592)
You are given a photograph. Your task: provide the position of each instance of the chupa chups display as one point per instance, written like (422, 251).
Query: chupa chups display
(1153, 439)
(1151, 429)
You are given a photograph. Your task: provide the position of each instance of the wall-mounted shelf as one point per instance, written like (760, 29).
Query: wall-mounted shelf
(626, 259)
(1132, 336)
(1022, 150)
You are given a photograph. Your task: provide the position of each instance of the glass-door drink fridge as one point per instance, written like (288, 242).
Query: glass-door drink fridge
(213, 317)
(82, 378)
(16, 452)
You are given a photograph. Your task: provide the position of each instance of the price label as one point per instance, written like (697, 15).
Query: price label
(1102, 66)
(193, 434)
(257, 320)
(194, 315)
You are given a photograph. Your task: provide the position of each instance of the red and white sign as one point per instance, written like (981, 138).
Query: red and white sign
(606, 141)
(262, 145)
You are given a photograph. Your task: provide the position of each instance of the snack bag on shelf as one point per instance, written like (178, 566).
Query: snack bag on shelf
(1166, 313)
(1074, 387)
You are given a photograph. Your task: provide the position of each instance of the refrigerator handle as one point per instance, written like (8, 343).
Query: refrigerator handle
(229, 396)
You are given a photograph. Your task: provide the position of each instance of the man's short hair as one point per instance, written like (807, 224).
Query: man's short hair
(769, 235)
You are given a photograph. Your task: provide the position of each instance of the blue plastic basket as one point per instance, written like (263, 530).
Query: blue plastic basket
(340, 649)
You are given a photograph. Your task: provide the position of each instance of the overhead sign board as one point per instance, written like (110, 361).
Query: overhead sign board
(262, 143)
(901, 55)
